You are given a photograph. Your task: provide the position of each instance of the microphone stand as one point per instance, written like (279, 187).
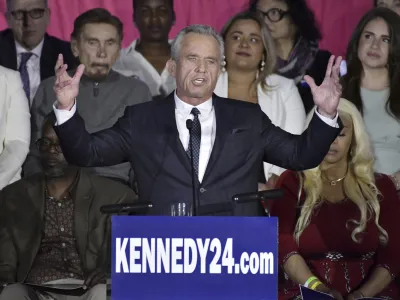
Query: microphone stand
(189, 126)
(261, 197)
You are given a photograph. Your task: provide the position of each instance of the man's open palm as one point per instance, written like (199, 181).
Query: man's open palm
(327, 95)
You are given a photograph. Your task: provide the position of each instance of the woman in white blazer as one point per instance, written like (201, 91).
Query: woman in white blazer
(15, 128)
(247, 75)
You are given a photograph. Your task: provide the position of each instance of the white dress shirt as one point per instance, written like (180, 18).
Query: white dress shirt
(33, 66)
(133, 64)
(182, 113)
(208, 129)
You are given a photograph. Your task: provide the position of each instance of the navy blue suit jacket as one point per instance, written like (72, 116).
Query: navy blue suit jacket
(147, 136)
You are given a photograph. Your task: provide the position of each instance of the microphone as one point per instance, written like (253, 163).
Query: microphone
(136, 207)
(189, 126)
(257, 196)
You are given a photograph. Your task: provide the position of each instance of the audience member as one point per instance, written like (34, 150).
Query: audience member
(372, 84)
(248, 75)
(296, 35)
(52, 230)
(147, 56)
(14, 126)
(104, 93)
(392, 4)
(27, 48)
(230, 138)
(338, 222)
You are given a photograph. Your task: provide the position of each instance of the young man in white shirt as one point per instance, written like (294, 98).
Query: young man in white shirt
(147, 56)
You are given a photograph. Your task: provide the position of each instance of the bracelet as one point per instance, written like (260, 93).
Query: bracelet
(315, 285)
(395, 182)
(309, 280)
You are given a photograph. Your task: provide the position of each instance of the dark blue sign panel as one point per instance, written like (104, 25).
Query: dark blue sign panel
(194, 258)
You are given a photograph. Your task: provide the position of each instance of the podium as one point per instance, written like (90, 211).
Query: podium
(194, 258)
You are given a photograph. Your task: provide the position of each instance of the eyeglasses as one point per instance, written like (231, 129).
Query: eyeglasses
(36, 13)
(44, 144)
(274, 14)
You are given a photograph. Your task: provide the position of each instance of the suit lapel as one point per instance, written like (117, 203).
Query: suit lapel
(223, 119)
(36, 194)
(47, 59)
(167, 123)
(84, 195)
(8, 51)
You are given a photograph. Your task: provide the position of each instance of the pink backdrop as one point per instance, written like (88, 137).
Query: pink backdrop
(337, 17)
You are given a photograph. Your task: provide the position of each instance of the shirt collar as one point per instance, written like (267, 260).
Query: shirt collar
(37, 51)
(132, 47)
(184, 108)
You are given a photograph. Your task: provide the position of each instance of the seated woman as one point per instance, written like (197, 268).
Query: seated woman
(372, 84)
(296, 35)
(247, 76)
(15, 126)
(338, 226)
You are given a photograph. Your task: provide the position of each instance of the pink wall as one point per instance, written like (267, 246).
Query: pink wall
(337, 17)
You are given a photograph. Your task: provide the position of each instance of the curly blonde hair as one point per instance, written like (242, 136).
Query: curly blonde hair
(359, 184)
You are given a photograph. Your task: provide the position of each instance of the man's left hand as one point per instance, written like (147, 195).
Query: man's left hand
(96, 277)
(327, 95)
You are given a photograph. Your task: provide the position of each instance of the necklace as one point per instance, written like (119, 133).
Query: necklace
(334, 182)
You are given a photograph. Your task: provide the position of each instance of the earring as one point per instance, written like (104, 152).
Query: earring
(223, 64)
(262, 66)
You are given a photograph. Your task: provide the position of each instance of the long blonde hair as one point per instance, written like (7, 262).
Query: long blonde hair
(359, 184)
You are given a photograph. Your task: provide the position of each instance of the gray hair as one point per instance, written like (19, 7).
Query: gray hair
(9, 2)
(199, 29)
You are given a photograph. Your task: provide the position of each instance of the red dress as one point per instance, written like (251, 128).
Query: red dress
(326, 243)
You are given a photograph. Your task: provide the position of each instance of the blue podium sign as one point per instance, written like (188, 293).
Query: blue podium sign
(194, 258)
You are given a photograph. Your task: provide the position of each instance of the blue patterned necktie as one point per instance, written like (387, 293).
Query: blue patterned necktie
(23, 70)
(196, 139)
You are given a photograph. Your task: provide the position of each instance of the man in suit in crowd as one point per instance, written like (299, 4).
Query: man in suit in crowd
(230, 138)
(26, 46)
(52, 228)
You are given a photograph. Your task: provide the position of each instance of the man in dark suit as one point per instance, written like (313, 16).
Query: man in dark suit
(26, 47)
(230, 138)
(52, 230)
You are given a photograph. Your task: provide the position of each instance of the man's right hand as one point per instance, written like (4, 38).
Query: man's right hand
(65, 87)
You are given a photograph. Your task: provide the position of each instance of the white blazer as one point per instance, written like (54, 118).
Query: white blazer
(281, 103)
(15, 126)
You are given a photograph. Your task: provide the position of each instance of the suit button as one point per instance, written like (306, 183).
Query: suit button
(202, 190)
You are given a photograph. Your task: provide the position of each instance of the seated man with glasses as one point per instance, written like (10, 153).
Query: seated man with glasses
(26, 47)
(52, 230)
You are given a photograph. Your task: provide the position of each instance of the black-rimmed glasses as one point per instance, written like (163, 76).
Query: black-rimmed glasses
(35, 13)
(45, 144)
(274, 14)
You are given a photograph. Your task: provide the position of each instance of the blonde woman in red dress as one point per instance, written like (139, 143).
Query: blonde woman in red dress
(338, 223)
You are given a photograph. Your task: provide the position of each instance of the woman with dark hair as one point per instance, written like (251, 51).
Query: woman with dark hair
(372, 83)
(392, 4)
(296, 35)
(247, 75)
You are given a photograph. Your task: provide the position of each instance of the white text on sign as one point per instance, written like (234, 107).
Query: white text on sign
(184, 255)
